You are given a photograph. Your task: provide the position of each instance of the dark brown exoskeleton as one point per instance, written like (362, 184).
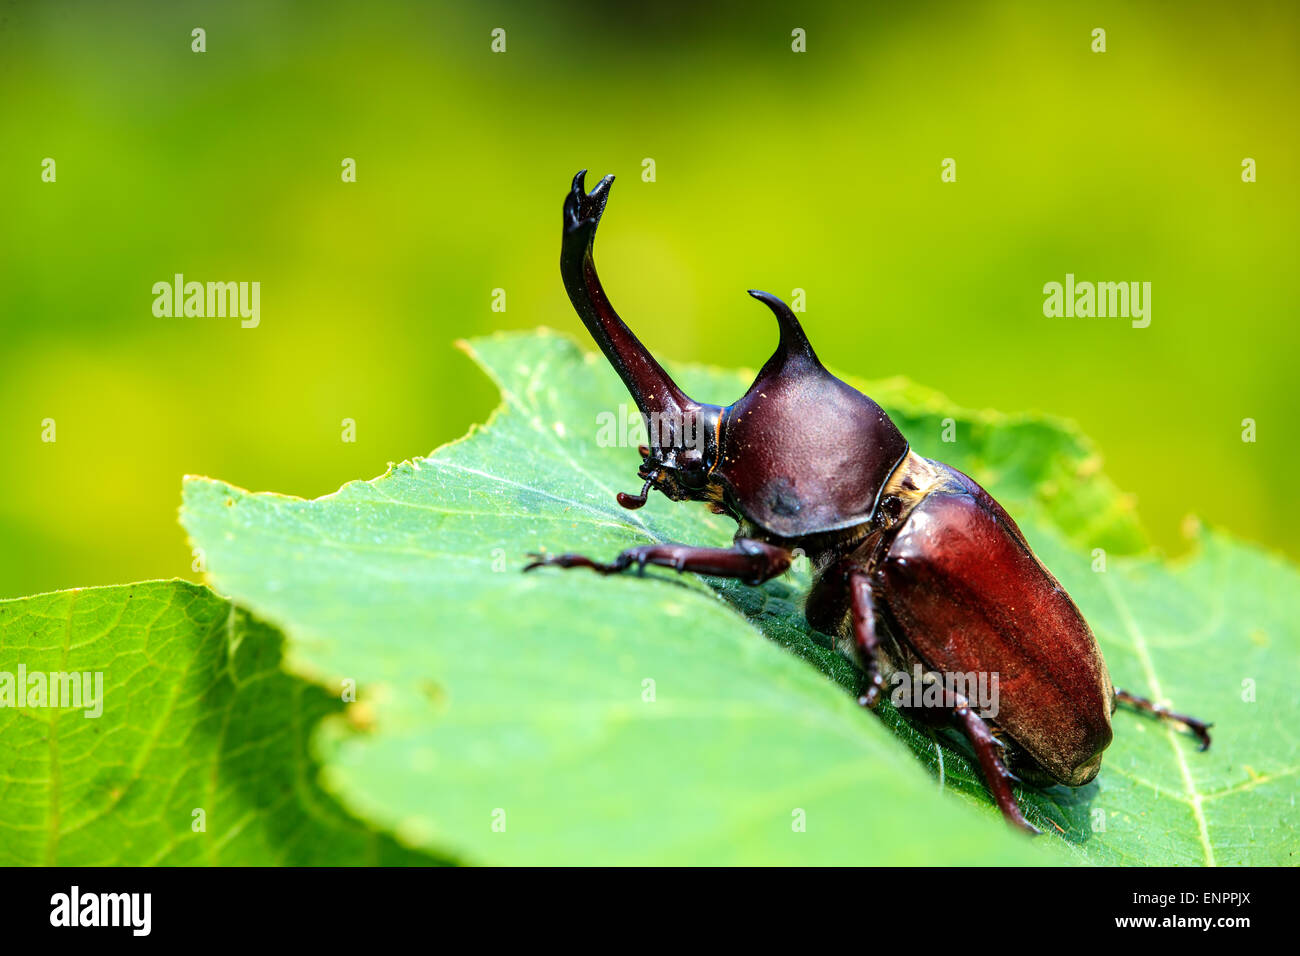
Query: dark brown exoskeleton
(917, 570)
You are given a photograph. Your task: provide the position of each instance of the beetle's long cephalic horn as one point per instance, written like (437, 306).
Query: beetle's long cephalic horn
(654, 392)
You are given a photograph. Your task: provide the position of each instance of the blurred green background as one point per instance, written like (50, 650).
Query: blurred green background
(774, 169)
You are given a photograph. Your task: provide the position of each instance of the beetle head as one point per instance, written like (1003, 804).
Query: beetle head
(800, 453)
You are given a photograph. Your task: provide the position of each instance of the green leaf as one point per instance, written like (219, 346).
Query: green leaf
(499, 692)
(196, 715)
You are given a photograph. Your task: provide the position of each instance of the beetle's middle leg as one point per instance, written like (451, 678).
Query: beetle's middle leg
(1199, 727)
(750, 561)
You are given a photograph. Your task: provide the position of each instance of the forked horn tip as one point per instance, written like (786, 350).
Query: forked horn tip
(582, 207)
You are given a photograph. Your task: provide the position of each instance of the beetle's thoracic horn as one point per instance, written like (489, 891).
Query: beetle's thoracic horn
(653, 390)
(794, 343)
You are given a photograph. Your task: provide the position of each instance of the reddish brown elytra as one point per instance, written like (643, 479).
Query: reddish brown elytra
(917, 570)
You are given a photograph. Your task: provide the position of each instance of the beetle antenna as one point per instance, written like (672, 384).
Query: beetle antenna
(632, 502)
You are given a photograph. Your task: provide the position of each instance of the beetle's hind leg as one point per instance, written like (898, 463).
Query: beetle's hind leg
(752, 562)
(989, 752)
(1198, 727)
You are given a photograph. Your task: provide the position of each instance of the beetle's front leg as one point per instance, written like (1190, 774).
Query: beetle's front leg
(988, 751)
(750, 561)
(1199, 727)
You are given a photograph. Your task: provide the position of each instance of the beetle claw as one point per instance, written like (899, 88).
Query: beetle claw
(575, 561)
(870, 697)
(1202, 732)
(1028, 827)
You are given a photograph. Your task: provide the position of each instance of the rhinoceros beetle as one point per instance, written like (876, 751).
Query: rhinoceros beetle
(916, 568)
